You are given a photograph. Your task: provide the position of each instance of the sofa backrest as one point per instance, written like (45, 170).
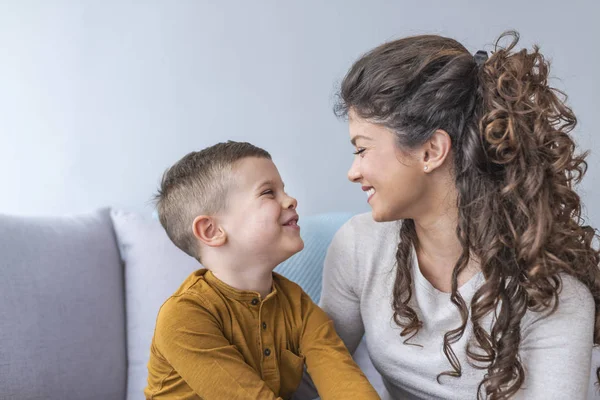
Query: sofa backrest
(62, 309)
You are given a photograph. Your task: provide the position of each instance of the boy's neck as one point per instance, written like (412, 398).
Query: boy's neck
(249, 279)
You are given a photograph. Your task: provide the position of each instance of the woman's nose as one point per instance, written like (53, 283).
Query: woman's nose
(353, 172)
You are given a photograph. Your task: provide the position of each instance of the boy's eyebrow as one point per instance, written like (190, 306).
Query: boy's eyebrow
(355, 138)
(267, 183)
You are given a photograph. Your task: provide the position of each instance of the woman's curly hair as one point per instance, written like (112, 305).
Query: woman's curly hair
(515, 168)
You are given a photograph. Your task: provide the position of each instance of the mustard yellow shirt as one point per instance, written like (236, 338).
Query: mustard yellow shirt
(214, 342)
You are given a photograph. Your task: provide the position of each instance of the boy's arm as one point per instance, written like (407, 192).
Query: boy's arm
(330, 365)
(189, 337)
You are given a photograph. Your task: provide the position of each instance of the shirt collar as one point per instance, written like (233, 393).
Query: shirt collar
(233, 293)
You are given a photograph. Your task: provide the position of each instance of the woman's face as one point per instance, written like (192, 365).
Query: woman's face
(393, 180)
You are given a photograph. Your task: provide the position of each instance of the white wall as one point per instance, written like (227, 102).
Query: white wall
(97, 98)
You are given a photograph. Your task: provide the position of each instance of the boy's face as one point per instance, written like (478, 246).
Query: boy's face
(260, 218)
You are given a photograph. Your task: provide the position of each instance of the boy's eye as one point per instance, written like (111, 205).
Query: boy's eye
(268, 191)
(359, 151)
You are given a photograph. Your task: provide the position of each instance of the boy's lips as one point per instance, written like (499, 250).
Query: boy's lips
(292, 222)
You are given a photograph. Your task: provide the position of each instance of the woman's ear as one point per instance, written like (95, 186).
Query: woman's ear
(208, 231)
(436, 150)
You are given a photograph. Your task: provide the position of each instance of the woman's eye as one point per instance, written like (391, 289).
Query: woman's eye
(359, 151)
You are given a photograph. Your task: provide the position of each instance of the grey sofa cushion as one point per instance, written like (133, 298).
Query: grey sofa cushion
(62, 312)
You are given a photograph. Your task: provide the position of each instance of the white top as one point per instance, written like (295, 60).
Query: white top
(359, 276)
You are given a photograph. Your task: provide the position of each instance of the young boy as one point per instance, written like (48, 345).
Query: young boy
(237, 330)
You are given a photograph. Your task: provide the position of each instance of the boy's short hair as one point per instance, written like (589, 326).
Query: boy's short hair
(198, 184)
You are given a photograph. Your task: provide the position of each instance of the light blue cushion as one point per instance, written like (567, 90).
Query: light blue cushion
(306, 267)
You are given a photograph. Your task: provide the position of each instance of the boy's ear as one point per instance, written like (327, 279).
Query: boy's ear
(208, 231)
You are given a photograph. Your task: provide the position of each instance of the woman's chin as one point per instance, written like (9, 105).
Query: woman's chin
(379, 216)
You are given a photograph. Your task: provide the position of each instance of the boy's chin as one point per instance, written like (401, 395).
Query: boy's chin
(292, 250)
(300, 247)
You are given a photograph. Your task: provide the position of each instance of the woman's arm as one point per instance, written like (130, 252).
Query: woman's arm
(338, 298)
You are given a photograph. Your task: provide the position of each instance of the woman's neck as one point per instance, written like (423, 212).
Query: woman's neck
(438, 247)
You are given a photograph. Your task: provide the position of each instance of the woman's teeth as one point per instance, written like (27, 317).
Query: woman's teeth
(370, 192)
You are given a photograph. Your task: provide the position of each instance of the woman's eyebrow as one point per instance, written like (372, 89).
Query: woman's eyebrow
(355, 138)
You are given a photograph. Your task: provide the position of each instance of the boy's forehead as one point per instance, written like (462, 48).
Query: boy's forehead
(253, 172)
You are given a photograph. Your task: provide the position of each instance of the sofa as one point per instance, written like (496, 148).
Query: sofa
(79, 297)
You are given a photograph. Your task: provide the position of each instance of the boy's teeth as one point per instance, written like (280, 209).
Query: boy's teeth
(370, 192)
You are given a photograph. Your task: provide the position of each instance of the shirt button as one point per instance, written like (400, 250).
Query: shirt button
(264, 325)
(254, 302)
(267, 352)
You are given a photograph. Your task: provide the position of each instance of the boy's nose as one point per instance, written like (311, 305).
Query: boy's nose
(290, 203)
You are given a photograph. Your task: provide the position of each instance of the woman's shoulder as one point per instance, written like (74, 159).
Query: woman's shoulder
(575, 296)
(363, 229)
(575, 306)
(572, 287)
(365, 242)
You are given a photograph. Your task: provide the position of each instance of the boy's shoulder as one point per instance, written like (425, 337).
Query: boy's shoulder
(194, 306)
(290, 290)
(194, 291)
(194, 284)
(284, 284)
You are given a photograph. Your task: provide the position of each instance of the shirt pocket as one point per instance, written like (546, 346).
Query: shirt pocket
(291, 370)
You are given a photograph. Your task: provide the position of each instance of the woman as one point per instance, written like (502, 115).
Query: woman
(477, 277)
